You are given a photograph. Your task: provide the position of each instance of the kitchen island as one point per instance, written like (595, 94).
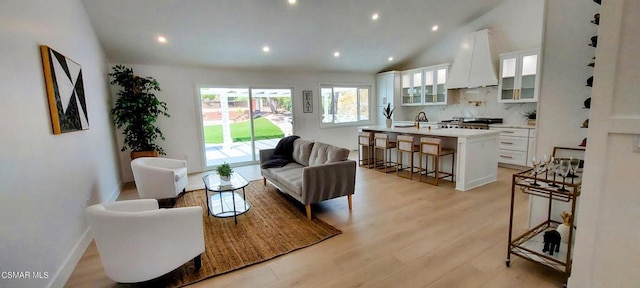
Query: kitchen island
(476, 151)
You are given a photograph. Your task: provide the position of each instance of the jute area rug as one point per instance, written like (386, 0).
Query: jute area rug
(273, 226)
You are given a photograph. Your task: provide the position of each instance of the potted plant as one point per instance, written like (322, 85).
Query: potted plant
(387, 112)
(531, 117)
(136, 111)
(224, 171)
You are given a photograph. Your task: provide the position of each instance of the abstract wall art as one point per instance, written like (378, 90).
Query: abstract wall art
(65, 91)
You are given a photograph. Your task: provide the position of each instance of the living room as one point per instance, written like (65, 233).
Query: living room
(44, 225)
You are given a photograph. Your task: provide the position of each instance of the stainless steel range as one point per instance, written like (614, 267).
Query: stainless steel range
(469, 123)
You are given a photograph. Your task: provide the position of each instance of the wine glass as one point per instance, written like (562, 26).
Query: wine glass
(553, 166)
(544, 166)
(575, 163)
(536, 164)
(564, 169)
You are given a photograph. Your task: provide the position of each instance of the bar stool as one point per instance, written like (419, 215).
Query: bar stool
(383, 141)
(433, 147)
(406, 144)
(365, 143)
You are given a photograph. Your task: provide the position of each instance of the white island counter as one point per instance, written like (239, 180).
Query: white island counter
(476, 152)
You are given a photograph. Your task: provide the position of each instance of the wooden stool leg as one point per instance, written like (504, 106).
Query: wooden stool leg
(375, 160)
(420, 167)
(437, 162)
(349, 198)
(411, 166)
(386, 160)
(398, 164)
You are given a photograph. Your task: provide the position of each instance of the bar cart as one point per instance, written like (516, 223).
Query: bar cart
(530, 244)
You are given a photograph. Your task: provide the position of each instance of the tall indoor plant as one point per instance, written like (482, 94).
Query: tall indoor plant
(136, 111)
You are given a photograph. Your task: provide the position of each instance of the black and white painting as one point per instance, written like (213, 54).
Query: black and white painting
(65, 91)
(307, 101)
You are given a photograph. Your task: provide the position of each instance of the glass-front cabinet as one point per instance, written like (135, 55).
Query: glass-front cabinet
(435, 80)
(519, 76)
(425, 86)
(412, 87)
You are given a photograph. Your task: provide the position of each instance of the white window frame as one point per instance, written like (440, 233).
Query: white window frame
(358, 86)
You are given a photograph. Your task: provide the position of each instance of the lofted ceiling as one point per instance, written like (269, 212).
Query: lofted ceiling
(303, 36)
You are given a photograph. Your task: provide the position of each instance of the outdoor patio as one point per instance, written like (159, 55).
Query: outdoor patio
(239, 152)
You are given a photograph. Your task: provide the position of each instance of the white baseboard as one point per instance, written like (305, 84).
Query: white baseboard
(63, 274)
(116, 193)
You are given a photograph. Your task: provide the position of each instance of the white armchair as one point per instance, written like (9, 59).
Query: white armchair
(159, 178)
(139, 242)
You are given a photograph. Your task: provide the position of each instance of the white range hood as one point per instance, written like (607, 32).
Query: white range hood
(473, 66)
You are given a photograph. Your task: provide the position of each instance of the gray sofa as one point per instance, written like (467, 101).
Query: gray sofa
(320, 172)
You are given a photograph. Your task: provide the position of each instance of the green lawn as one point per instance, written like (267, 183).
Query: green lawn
(241, 131)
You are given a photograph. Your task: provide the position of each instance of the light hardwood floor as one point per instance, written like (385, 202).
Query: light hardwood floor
(400, 233)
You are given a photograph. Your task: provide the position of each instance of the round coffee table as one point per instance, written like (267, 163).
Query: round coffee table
(225, 201)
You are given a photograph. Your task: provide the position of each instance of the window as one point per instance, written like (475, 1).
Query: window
(345, 104)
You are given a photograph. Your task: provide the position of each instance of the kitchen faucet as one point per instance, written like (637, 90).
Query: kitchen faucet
(421, 117)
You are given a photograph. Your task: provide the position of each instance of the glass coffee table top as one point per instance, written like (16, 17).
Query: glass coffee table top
(213, 182)
(225, 201)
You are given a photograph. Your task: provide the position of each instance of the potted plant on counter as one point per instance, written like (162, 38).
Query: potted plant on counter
(136, 111)
(388, 112)
(531, 117)
(224, 171)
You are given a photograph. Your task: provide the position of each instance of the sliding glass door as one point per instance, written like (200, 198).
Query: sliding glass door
(238, 122)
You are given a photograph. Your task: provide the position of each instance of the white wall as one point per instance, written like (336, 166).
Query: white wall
(514, 25)
(606, 251)
(563, 85)
(182, 132)
(564, 75)
(46, 180)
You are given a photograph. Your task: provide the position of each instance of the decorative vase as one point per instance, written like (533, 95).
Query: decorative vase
(389, 122)
(225, 178)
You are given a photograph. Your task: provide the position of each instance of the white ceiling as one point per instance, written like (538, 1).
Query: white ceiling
(304, 36)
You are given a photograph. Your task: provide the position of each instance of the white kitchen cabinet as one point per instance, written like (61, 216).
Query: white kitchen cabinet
(412, 92)
(519, 76)
(531, 151)
(387, 88)
(424, 86)
(515, 145)
(434, 86)
(387, 84)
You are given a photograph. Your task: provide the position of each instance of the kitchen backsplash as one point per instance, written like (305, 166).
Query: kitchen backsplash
(460, 106)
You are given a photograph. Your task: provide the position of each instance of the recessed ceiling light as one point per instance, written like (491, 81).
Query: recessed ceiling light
(336, 54)
(161, 39)
(292, 2)
(266, 49)
(390, 59)
(434, 28)
(374, 16)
